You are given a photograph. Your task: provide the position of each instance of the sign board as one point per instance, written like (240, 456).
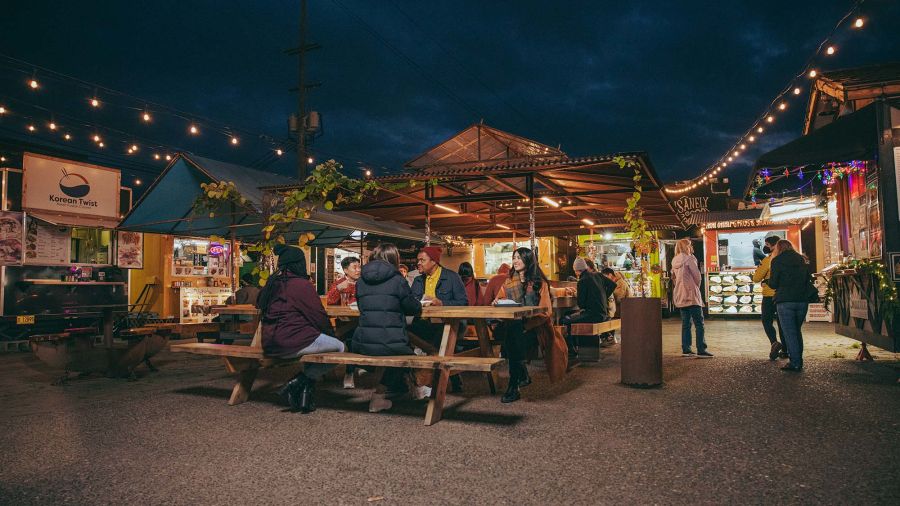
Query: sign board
(687, 206)
(65, 187)
(11, 235)
(859, 307)
(46, 244)
(130, 250)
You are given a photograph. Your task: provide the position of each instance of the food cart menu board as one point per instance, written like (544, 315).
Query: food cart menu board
(733, 293)
(10, 238)
(195, 303)
(46, 244)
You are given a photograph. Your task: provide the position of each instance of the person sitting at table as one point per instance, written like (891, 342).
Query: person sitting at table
(593, 301)
(494, 285)
(294, 323)
(248, 293)
(437, 286)
(343, 291)
(385, 300)
(404, 271)
(528, 286)
(467, 275)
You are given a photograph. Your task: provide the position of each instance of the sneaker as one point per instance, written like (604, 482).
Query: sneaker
(421, 393)
(782, 354)
(379, 403)
(773, 353)
(704, 354)
(791, 368)
(349, 382)
(688, 353)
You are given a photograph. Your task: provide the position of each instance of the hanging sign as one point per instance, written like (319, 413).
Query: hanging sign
(69, 188)
(687, 206)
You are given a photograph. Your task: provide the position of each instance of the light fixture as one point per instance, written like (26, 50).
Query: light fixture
(502, 226)
(751, 138)
(137, 182)
(101, 144)
(2, 110)
(193, 129)
(782, 106)
(550, 201)
(234, 141)
(588, 222)
(446, 208)
(146, 116)
(156, 156)
(813, 73)
(52, 126)
(33, 83)
(730, 158)
(797, 91)
(743, 146)
(279, 152)
(770, 118)
(309, 160)
(608, 236)
(858, 23)
(760, 130)
(96, 138)
(67, 137)
(130, 151)
(31, 128)
(168, 157)
(134, 147)
(830, 50)
(95, 102)
(806, 225)
(368, 173)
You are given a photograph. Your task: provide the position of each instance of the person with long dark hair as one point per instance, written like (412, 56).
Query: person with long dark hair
(385, 300)
(294, 323)
(528, 286)
(791, 279)
(467, 275)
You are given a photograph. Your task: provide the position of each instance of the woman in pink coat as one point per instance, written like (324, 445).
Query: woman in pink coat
(687, 297)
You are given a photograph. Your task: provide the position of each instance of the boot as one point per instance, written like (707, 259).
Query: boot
(512, 390)
(308, 397)
(524, 378)
(290, 392)
(379, 403)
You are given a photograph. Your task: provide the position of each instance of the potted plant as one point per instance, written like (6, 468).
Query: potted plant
(641, 314)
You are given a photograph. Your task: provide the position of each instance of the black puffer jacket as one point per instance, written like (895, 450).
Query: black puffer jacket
(791, 278)
(384, 300)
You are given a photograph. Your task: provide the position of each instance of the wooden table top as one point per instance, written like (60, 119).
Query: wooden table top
(487, 312)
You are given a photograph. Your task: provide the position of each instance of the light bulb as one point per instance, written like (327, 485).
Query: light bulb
(760, 130)
(146, 116)
(130, 151)
(156, 156)
(797, 91)
(234, 140)
(168, 157)
(730, 158)
(52, 125)
(743, 146)
(309, 160)
(96, 138)
(137, 182)
(193, 130)
(134, 147)
(830, 50)
(813, 73)
(67, 137)
(31, 128)
(782, 106)
(279, 152)
(737, 154)
(95, 102)
(859, 23)
(101, 145)
(2, 110)
(770, 119)
(33, 83)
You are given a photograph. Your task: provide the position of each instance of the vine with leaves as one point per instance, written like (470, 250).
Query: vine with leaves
(642, 240)
(326, 187)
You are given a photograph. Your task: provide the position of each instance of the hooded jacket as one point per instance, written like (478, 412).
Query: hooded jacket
(686, 274)
(384, 299)
(493, 286)
(292, 314)
(790, 277)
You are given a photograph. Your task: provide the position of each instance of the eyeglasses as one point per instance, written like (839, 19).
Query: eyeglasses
(421, 260)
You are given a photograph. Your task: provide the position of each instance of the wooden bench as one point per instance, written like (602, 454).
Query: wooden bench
(247, 360)
(595, 329)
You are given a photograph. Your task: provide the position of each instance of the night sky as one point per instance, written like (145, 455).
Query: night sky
(680, 80)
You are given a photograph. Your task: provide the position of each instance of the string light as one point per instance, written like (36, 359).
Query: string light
(137, 182)
(67, 137)
(146, 117)
(96, 138)
(279, 152)
(309, 160)
(782, 106)
(760, 130)
(31, 128)
(859, 23)
(2, 110)
(770, 119)
(168, 157)
(193, 130)
(156, 156)
(813, 73)
(33, 83)
(830, 50)
(797, 91)
(101, 144)
(95, 102)
(368, 173)
(52, 125)
(234, 141)
(752, 138)
(134, 147)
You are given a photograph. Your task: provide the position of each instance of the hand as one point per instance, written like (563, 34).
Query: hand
(570, 291)
(343, 286)
(436, 302)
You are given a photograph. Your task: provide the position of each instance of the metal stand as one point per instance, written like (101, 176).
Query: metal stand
(864, 354)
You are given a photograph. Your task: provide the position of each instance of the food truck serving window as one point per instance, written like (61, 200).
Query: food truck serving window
(496, 254)
(736, 249)
(199, 257)
(90, 246)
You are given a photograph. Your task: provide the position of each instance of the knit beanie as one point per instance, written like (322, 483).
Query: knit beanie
(579, 265)
(433, 252)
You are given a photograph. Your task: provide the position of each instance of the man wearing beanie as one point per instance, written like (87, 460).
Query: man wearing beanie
(593, 295)
(442, 287)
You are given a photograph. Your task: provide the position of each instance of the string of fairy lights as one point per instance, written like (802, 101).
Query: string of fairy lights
(777, 106)
(825, 175)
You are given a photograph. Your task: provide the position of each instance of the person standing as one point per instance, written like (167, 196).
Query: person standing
(343, 291)
(792, 281)
(528, 286)
(769, 319)
(687, 298)
(385, 300)
(294, 323)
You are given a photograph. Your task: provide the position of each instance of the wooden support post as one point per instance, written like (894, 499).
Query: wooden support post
(484, 346)
(247, 370)
(441, 374)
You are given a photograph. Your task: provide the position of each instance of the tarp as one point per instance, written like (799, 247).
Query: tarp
(167, 207)
(850, 137)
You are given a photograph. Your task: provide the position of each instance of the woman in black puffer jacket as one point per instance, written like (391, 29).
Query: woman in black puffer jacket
(385, 300)
(791, 278)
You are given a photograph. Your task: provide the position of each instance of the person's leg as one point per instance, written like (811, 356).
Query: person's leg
(699, 329)
(787, 313)
(515, 355)
(323, 344)
(802, 309)
(768, 319)
(685, 330)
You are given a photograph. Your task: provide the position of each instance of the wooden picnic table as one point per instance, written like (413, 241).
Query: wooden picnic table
(450, 316)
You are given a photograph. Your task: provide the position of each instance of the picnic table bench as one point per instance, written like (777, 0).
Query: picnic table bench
(247, 360)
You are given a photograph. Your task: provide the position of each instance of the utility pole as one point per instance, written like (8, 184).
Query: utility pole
(300, 123)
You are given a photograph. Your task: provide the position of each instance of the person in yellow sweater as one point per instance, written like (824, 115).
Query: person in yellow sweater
(769, 318)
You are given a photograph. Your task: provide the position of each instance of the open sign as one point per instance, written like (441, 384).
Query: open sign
(216, 249)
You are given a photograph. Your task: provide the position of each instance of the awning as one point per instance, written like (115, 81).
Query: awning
(72, 221)
(850, 137)
(167, 207)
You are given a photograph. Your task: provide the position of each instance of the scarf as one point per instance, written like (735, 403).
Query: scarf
(517, 290)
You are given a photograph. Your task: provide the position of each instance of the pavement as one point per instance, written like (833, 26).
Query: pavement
(733, 429)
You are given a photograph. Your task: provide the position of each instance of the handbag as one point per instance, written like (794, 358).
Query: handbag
(812, 294)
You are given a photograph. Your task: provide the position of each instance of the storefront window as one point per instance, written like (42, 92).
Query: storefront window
(496, 254)
(198, 257)
(90, 246)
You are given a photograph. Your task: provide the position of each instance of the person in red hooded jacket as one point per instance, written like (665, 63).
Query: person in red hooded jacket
(494, 285)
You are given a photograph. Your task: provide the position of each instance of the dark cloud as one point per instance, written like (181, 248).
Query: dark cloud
(680, 80)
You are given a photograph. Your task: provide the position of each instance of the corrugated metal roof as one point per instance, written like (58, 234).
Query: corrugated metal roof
(865, 76)
(482, 143)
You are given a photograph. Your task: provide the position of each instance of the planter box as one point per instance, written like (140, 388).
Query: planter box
(641, 342)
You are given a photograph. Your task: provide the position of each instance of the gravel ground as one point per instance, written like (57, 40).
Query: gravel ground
(727, 430)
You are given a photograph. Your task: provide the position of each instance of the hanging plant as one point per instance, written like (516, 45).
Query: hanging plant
(642, 240)
(887, 291)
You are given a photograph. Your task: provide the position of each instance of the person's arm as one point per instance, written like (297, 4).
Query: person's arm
(694, 271)
(609, 286)
(501, 294)
(546, 302)
(333, 297)
(306, 300)
(761, 272)
(418, 287)
(582, 289)
(458, 295)
(408, 302)
(774, 275)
